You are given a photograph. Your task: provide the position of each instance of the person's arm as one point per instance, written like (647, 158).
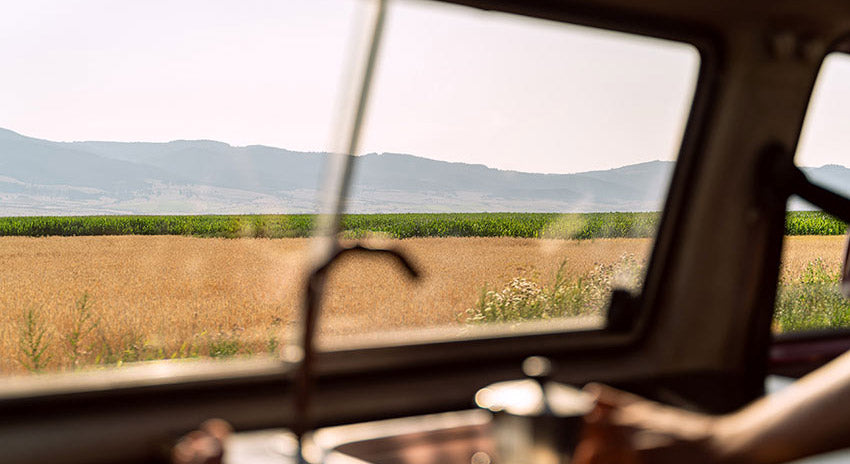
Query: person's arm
(809, 417)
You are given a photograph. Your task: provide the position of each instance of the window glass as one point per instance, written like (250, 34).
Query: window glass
(520, 163)
(159, 165)
(157, 189)
(808, 295)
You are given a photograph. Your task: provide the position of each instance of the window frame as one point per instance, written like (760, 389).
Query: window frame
(797, 353)
(556, 341)
(255, 393)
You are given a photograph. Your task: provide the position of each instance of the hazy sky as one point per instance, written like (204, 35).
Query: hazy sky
(453, 83)
(247, 72)
(826, 131)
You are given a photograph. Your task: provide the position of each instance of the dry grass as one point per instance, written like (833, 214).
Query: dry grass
(180, 296)
(798, 252)
(456, 269)
(151, 295)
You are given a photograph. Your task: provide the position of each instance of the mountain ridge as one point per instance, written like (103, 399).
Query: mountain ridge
(210, 177)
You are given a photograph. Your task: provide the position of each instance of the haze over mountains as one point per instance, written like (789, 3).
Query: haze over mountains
(40, 177)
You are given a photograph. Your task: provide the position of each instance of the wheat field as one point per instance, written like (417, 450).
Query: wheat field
(152, 297)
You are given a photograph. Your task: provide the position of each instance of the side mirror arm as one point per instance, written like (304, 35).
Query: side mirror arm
(788, 179)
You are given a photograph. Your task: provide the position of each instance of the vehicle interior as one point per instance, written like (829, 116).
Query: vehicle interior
(697, 334)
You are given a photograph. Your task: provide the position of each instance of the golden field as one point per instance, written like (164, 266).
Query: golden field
(799, 251)
(174, 296)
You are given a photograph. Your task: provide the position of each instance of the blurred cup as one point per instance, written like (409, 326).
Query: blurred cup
(535, 422)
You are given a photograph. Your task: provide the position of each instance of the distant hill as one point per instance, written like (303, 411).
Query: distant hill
(391, 181)
(208, 177)
(34, 161)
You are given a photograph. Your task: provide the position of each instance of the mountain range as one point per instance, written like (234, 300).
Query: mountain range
(41, 177)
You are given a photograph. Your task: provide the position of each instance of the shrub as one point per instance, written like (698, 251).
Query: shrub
(523, 299)
(223, 346)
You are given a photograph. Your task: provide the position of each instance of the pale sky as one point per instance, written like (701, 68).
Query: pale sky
(452, 83)
(527, 94)
(826, 132)
(246, 72)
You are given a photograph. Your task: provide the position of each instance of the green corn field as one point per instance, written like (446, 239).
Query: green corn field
(402, 225)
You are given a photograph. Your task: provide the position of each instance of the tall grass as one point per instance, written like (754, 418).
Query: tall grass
(86, 344)
(33, 342)
(83, 324)
(160, 297)
(812, 300)
(809, 301)
(182, 297)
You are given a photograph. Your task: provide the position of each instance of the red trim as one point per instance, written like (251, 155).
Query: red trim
(799, 357)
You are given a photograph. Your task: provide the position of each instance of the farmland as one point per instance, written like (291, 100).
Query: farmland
(407, 225)
(104, 290)
(115, 299)
(74, 302)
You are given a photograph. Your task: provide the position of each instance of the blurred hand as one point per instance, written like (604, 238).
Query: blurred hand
(202, 446)
(627, 429)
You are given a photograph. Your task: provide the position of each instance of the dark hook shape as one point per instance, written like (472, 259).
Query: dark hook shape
(786, 179)
(831, 202)
(315, 282)
(399, 257)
